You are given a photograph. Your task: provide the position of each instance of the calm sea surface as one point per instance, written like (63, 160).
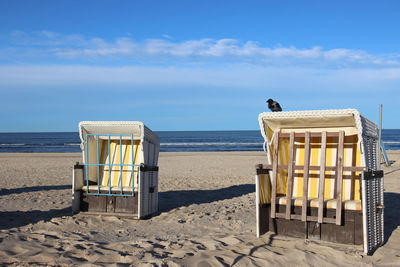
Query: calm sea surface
(170, 141)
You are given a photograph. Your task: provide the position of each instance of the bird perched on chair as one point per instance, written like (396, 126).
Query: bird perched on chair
(273, 105)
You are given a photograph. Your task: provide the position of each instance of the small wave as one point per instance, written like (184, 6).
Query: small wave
(13, 144)
(40, 145)
(210, 144)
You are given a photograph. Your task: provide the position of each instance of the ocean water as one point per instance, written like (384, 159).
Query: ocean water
(170, 141)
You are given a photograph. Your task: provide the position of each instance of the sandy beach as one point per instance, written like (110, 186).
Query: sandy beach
(206, 218)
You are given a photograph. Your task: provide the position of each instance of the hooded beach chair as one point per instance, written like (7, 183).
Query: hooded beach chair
(119, 174)
(322, 179)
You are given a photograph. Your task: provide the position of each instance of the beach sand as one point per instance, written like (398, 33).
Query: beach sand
(207, 218)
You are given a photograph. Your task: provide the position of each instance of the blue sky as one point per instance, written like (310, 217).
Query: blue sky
(194, 65)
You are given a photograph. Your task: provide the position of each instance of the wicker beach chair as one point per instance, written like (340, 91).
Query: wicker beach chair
(119, 174)
(322, 179)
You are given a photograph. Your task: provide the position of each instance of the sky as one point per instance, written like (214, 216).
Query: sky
(194, 65)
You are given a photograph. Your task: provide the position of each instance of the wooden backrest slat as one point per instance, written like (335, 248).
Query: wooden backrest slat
(274, 174)
(339, 173)
(289, 188)
(305, 175)
(317, 168)
(312, 134)
(321, 188)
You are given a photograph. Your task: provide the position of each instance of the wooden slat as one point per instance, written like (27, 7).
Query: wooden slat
(309, 218)
(326, 220)
(315, 134)
(317, 168)
(305, 175)
(116, 214)
(281, 215)
(274, 174)
(321, 188)
(290, 177)
(339, 178)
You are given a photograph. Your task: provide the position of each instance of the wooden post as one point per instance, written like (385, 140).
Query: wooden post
(339, 178)
(290, 176)
(305, 175)
(321, 188)
(274, 175)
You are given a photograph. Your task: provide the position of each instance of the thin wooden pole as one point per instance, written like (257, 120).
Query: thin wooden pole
(339, 179)
(305, 175)
(274, 174)
(290, 176)
(321, 188)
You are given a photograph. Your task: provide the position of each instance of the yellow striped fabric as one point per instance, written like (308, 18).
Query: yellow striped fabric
(119, 153)
(265, 188)
(283, 157)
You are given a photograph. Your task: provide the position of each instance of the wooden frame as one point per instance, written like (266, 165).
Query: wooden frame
(290, 167)
(345, 225)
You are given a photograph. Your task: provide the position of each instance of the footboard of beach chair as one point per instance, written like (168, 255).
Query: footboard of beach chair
(350, 232)
(142, 204)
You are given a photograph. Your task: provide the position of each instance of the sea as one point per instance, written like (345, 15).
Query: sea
(171, 141)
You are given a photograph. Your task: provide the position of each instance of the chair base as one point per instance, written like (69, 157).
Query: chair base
(350, 232)
(126, 206)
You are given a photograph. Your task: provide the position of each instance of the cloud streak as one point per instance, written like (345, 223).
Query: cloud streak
(242, 77)
(125, 50)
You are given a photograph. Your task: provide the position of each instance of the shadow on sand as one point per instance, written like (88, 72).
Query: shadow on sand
(392, 213)
(182, 198)
(11, 219)
(4, 192)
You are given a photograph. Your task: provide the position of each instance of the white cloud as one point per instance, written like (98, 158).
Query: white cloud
(166, 36)
(79, 48)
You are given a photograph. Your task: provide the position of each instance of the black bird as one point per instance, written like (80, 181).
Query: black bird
(273, 105)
